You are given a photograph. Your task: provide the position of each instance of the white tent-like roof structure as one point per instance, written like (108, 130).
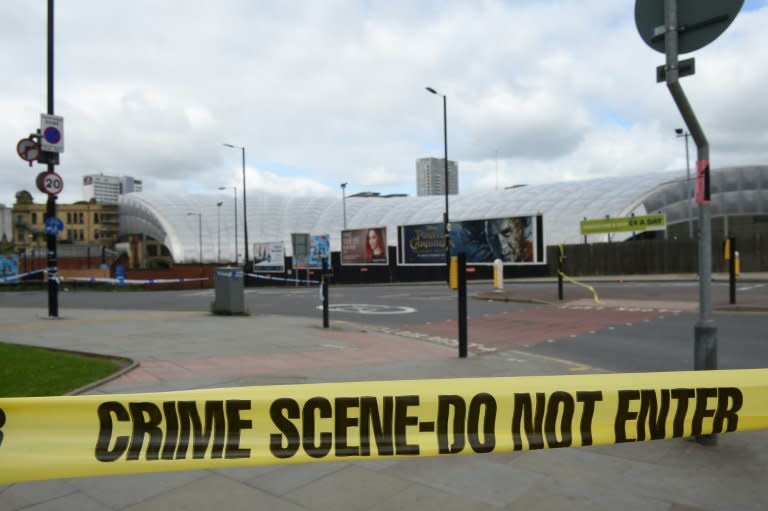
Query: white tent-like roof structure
(738, 190)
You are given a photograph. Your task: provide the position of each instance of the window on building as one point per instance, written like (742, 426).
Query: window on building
(80, 232)
(69, 235)
(20, 237)
(82, 220)
(152, 250)
(34, 218)
(95, 218)
(69, 217)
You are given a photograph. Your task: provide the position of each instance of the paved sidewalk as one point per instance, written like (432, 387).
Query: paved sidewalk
(186, 350)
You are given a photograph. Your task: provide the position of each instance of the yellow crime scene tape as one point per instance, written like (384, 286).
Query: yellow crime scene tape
(74, 436)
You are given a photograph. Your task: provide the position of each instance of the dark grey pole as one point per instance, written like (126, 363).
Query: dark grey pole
(234, 193)
(705, 331)
(344, 202)
(50, 211)
(200, 236)
(218, 232)
(446, 232)
(445, 163)
(462, 260)
(246, 263)
(245, 212)
(324, 290)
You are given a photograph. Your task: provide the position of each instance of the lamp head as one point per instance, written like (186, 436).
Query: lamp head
(679, 131)
(430, 89)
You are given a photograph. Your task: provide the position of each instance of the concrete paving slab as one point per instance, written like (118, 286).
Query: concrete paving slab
(118, 492)
(78, 501)
(287, 478)
(352, 488)
(22, 495)
(470, 477)
(425, 498)
(215, 491)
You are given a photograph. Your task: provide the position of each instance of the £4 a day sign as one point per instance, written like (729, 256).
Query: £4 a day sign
(624, 224)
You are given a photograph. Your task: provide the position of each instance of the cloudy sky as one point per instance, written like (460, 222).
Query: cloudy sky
(332, 91)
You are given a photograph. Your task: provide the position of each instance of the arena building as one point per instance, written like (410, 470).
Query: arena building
(739, 207)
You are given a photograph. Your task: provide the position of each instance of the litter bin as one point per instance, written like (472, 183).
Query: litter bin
(230, 293)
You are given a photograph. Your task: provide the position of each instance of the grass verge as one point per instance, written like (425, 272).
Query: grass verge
(29, 371)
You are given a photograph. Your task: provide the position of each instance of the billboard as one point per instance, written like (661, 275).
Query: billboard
(514, 240)
(319, 248)
(269, 256)
(9, 266)
(364, 246)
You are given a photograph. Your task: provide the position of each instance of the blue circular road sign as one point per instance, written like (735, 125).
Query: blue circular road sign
(52, 135)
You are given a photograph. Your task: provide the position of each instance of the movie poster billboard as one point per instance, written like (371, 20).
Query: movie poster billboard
(269, 257)
(319, 248)
(514, 240)
(364, 246)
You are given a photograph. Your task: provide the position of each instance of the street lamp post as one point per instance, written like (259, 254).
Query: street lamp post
(680, 133)
(218, 233)
(199, 233)
(344, 202)
(445, 162)
(234, 196)
(245, 212)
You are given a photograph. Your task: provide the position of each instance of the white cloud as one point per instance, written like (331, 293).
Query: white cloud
(326, 92)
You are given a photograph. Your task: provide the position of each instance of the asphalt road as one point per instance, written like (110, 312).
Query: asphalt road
(643, 338)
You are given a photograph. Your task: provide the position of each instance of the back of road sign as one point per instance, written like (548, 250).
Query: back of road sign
(699, 21)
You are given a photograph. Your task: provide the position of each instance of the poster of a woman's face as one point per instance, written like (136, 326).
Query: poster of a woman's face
(375, 250)
(364, 246)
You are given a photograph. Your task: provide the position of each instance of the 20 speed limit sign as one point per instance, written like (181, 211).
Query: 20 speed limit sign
(50, 183)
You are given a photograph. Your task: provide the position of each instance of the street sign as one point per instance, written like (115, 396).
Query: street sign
(50, 183)
(52, 133)
(28, 149)
(685, 67)
(53, 225)
(699, 22)
(638, 223)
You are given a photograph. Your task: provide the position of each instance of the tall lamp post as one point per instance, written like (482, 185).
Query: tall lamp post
(218, 233)
(681, 133)
(199, 233)
(445, 162)
(344, 202)
(234, 196)
(245, 212)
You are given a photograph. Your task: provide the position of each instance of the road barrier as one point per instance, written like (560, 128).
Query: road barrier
(74, 436)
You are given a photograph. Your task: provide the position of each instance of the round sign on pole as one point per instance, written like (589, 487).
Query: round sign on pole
(699, 22)
(28, 149)
(50, 183)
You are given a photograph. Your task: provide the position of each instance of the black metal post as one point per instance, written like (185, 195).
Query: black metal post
(462, 305)
(247, 263)
(50, 211)
(324, 289)
(732, 268)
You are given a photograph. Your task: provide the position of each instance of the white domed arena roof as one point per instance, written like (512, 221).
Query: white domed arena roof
(167, 218)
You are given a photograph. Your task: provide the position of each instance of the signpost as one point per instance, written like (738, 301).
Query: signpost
(28, 150)
(52, 133)
(681, 26)
(50, 183)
